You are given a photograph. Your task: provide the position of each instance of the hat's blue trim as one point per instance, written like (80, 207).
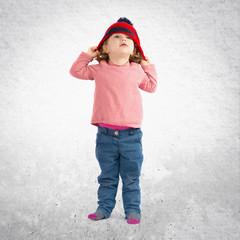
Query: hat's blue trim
(116, 29)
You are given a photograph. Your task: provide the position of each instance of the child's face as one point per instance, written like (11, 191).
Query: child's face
(114, 45)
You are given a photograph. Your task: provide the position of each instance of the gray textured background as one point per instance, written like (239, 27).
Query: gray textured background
(48, 173)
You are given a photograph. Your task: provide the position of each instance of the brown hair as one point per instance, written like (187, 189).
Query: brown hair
(135, 57)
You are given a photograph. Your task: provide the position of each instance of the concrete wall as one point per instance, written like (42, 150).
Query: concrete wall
(48, 171)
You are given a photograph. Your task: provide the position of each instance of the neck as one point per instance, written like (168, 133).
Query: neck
(119, 60)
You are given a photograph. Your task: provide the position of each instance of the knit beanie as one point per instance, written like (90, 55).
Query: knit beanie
(123, 25)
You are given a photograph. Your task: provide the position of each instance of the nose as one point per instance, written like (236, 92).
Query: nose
(124, 37)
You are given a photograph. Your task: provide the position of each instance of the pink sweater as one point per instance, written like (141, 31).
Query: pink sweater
(117, 99)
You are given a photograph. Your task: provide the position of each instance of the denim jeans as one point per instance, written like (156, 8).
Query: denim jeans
(119, 152)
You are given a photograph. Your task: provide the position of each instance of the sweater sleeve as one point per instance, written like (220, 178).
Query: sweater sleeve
(80, 68)
(149, 81)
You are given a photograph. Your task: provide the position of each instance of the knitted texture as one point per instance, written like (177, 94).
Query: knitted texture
(123, 25)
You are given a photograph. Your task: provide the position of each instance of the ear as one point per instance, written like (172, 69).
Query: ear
(105, 48)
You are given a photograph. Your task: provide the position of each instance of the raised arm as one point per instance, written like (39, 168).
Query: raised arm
(80, 68)
(149, 81)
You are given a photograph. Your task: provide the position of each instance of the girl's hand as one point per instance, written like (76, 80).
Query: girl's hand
(93, 52)
(143, 62)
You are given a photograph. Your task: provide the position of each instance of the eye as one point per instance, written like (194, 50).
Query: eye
(117, 36)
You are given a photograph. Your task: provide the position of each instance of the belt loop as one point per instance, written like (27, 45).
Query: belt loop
(130, 131)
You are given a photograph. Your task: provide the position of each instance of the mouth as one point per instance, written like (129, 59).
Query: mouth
(124, 45)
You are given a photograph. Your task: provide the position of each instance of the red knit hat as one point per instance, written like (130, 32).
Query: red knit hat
(123, 25)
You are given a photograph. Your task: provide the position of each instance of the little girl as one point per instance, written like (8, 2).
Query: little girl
(118, 114)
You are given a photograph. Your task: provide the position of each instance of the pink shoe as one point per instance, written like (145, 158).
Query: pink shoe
(92, 216)
(133, 218)
(133, 221)
(98, 215)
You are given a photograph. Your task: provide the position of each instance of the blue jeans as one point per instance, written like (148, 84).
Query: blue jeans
(119, 152)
